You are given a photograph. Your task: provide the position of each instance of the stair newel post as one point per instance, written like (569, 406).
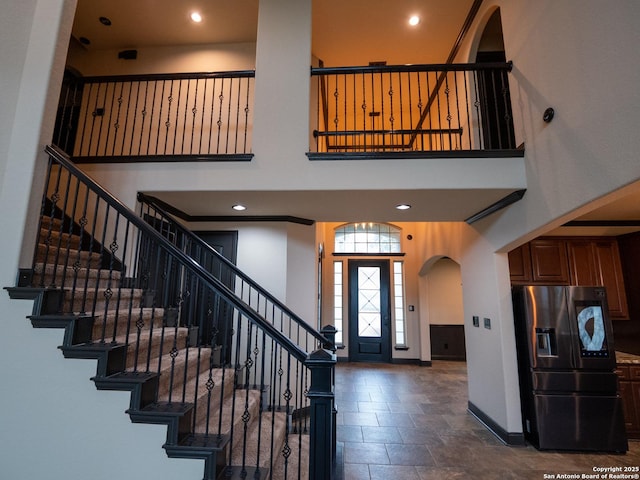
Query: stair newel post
(329, 332)
(321, 363)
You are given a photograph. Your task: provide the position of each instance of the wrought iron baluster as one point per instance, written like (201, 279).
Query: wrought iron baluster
(246, 117)
(468, 76)
(457, 100)
(122, 288)
(167, 123)
(212, 110)
(159, 113)
(508, 119)
(194, 112)
(494, 90)
(227, 136)
(135, 114)
(219, 122)
(364, 112)
(93, 122)
(201, 134)
(176, 122)
(143, 122)
(476, 103)
(401, 102)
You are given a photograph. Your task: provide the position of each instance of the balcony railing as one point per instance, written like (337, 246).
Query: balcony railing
(193, 116)
(376, 111)
(449, 109)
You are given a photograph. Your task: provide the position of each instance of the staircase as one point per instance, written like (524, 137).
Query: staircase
(213, 361)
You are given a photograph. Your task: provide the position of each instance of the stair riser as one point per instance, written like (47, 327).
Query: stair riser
(69, 279)
(57, 239)
(119, 322)
(173, 374)
(269, 432)
(102, 305)
(227, 419)
(156, 346)
(53, 254)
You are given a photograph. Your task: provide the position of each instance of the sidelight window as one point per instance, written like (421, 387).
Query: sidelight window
(398, 301)
(338, 301)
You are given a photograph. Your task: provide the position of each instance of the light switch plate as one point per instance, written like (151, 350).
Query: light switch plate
(487, 323)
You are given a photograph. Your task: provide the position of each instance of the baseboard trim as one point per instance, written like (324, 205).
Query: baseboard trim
(397, 361)
(406, 361)
(508, 438)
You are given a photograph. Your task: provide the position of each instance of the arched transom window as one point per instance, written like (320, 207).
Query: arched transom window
(371, 238)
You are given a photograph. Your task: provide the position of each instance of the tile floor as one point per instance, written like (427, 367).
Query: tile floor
(402, 422)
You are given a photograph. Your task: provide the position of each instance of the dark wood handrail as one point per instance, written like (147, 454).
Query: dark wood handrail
(160, 206)
(168, 76)
(207, 278)
(434, 67)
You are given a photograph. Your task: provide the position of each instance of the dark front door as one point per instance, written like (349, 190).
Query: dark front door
(369, 311)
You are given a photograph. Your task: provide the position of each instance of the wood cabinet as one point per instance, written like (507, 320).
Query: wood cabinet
(629, 389)
(610, 275)
(520, 265)
(549, 261)
(573, 261)
(582, 263)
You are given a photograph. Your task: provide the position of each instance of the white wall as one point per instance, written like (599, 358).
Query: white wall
(175, 59)
(55, 424)
(581, 59)
(279, 256)
(444, 293)
(301, 275)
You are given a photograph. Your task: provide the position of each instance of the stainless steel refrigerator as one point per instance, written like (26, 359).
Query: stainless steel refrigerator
(566, 364)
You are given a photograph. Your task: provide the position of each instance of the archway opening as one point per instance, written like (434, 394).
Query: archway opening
(496, 115)
(441, 292)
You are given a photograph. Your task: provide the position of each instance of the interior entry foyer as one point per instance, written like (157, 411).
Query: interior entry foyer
(392, 291)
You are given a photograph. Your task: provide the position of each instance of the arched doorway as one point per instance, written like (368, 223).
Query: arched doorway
(493, 88)
(442, 292)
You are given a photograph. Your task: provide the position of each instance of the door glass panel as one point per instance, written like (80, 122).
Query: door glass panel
(369, 313)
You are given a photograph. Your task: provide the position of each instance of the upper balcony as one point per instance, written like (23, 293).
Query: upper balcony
(447, 110)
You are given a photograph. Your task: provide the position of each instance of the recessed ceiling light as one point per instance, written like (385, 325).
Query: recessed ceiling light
(239, 207)
(196, 17)
(403, 206)
(105, 21)
(414, 20)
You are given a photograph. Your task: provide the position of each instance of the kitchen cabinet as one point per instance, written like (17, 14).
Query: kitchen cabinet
(573, 261)
(629, 390)
(597, 262)
(549, 261)
(610, 275)
(520, 265)
(582, 263)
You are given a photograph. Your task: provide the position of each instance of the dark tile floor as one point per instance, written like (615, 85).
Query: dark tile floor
(402, 422)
